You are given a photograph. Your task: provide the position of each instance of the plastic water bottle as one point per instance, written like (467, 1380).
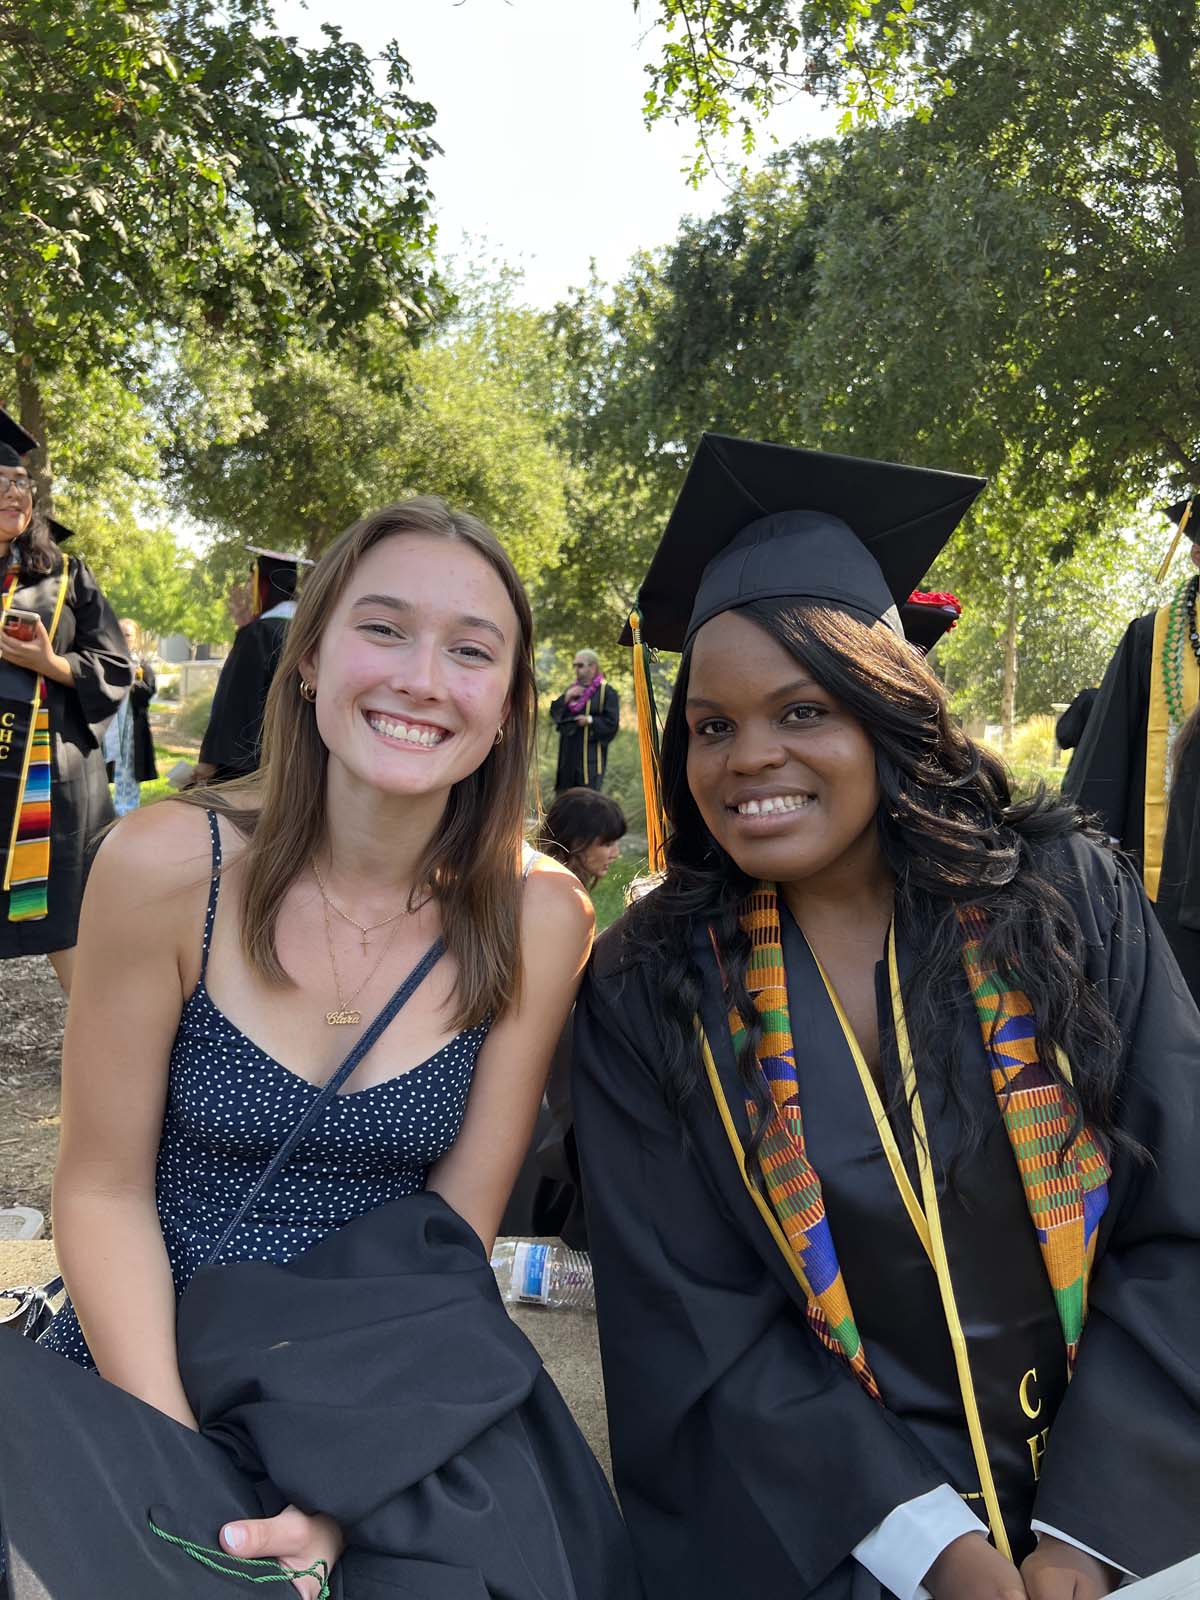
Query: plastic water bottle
(532, 1274)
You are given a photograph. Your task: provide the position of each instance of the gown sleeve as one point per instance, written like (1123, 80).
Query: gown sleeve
(98, 657)
(607, 719)
(740, 1446)
(1121, 1473)
(559, 713)
(1099, 777)
(235, 721)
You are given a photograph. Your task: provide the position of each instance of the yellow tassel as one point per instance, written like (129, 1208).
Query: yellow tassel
(1170, 555)
(656, 825)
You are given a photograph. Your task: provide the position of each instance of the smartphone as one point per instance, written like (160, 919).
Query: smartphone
(20, 624)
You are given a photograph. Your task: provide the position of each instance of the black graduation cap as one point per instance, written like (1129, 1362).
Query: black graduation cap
(1181, 515)
(760, 521)
(15, 441)
(928, 618)
(275, 572)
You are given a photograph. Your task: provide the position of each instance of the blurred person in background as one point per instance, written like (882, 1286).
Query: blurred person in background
(128, 741)
(64, 669)
(587, 717)
(583, 829)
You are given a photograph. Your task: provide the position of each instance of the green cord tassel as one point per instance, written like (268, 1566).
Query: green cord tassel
(217, 1561)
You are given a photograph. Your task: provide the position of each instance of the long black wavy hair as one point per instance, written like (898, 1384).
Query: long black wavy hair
(34, 552)
(952, 834)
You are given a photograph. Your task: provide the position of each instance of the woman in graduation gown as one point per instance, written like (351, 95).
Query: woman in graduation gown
(1123, 770)
(886, 1103)
(56, 687)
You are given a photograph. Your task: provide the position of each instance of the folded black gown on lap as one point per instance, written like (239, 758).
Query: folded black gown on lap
(377, 1378)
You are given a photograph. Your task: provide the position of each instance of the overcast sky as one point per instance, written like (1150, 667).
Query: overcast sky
(547, 162)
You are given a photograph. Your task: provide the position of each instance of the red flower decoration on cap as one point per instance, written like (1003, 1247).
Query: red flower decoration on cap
(944, 602)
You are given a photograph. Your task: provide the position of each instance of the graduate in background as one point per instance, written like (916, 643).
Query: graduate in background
(230, 748)
(587, 717)
(1178, 903)
(1121, 770)
(64, 670)
(885, 1102)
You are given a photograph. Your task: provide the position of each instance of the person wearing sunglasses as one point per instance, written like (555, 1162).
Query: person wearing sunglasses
(587, 716)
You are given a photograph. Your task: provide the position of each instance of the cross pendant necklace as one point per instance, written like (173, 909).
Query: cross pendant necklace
(363, 928)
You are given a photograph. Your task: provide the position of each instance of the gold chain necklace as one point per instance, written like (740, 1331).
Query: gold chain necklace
(364, 929)
(344, 1017)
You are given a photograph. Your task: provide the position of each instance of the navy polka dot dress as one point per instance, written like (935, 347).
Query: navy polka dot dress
(230, 1106)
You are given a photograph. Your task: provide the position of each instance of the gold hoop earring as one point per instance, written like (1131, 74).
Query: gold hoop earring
(308, 691)
(499, 739)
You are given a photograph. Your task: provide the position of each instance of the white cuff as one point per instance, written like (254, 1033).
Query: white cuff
(1041, 1528)
(901, 1550)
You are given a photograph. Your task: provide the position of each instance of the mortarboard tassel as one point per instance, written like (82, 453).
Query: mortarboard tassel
(656, 825)
(1170, 555)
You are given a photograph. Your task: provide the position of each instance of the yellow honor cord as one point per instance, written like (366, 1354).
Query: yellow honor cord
(941, 1264)
(656, 825)
(1179, 532)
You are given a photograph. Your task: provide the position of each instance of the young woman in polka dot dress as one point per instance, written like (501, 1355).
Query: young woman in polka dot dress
(233, 948)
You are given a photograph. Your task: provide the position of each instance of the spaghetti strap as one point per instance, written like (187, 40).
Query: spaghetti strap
(214, 889)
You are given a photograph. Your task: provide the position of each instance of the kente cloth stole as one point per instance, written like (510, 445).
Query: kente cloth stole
(1066, 1195)
(27, 861)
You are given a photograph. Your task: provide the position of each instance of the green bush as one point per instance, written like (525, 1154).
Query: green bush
(193, 714)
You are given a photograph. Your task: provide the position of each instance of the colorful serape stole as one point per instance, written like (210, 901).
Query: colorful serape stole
(1065, 1191)
(793, 1187)
(27, 867)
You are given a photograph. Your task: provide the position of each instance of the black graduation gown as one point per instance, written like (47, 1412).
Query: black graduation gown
(748, 1457)
(583, 752)
(234, 734)
(1068, 730)
(546, 1200)
(378, 1378)
(1107, 775)
(89, 637)
(145, 768)
(1178, 902)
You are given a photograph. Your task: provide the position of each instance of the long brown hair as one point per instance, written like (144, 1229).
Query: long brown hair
(577, 819)
(473, 863)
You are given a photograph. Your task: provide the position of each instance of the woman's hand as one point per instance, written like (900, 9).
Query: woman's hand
(969, 1569)
(35, 655)
(293, 1538)
(1059, 1571)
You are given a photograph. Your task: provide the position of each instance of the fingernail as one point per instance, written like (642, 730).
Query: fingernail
(233, 1535)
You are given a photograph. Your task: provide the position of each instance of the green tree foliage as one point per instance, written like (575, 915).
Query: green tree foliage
(835, 302)
(181, 161)
(164, 587)
(1046, 200)
(291, 454)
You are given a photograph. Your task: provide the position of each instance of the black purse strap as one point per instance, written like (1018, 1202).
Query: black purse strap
(330, 1087)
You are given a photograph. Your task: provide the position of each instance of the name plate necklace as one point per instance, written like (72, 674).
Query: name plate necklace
(346, 1016)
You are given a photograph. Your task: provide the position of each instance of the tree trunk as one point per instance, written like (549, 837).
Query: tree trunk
(1008, 692)
(1174, 37)
(31, 409)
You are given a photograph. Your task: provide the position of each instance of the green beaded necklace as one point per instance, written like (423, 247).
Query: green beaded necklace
(1174, 639)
